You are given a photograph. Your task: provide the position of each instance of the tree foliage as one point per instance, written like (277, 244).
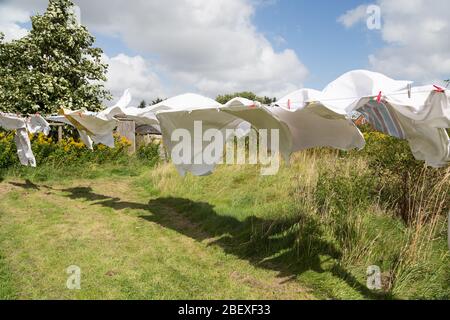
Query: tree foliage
(54, 66)
(143, 104)
(246, 94)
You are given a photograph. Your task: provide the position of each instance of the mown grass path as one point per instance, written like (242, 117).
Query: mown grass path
(105, 227)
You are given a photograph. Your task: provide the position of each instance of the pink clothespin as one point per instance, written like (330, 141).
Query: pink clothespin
(252, 106)
(379, 97)
(438, 89)
(289, 104)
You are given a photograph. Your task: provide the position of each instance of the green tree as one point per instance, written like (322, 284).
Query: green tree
(246, 94)
(54, 66)
(143, 104)
(156, 101)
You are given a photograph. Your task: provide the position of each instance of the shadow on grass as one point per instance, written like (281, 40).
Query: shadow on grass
(290, 247)
(27, 185)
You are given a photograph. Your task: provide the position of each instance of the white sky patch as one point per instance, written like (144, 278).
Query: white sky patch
(10, 19)
(134, 73)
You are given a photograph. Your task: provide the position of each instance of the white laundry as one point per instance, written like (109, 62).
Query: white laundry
(83, 135)
(312, 124)
(32, 124)
(419, 115)
(182, 112)
(36, 123)
(122, 109)
(99, 129)
(23, 145)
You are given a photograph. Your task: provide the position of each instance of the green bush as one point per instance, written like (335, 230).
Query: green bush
(399, 174)
(68, 152)
(149, 153)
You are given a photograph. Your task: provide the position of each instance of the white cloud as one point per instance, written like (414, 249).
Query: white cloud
(416, 40)
(205, 46)
(353, 16)
(134, 73)
(200, 45)
(10, 19)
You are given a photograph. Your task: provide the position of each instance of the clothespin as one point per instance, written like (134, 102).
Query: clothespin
(438, 89)
(379, 97)
(409, 90)
(289, 104)
(252, 106)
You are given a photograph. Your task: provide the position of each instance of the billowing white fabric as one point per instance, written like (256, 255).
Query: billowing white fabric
(141, 116)
(83, 135)
(32, 124)
(260, 117)
(312, 124)
(100, 130)
(344, 93)
(419, 115)
(23, 145)
(37, 123)
(12, 122)
(183, 111)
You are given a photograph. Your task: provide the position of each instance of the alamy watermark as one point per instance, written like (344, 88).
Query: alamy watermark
(373, 21)
(74, 280)
(213, 146)
(374, 278)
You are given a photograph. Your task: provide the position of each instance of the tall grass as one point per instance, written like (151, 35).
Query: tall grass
(327, 212)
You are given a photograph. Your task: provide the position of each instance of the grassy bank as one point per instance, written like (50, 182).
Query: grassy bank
(310, 232)
(319, 222)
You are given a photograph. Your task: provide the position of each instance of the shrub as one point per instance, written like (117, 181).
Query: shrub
(399, 174)
(67, 152)
(149, 153)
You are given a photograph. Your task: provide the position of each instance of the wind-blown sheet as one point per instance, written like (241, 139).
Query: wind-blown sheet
(309, 118)
(417, 114)
(305, 119)
(182, 112)
(23, 126)
(91, 127)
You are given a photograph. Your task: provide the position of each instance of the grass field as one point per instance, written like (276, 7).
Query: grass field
(141, 233)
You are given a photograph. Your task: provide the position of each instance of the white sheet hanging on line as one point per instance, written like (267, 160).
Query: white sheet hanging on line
(22, 126)
(141, 116)
(419, 115)
(182, 112)
(312, 124)
(83, 135)
(99, 129)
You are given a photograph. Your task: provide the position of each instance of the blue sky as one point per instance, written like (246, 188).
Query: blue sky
(325, 46)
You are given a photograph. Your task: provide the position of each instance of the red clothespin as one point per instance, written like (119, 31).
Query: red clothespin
(438, 89)
(379, 97)
(289, 104)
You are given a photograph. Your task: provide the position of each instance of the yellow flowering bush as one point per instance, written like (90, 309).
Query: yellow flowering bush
(66, 152)
(7, 149)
